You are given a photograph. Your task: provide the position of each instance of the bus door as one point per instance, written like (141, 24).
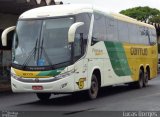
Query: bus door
(80, 63)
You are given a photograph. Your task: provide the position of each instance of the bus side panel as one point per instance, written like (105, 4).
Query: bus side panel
(140, 55)
(112, 64)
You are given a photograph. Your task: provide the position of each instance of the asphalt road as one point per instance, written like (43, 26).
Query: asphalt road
(119, 98)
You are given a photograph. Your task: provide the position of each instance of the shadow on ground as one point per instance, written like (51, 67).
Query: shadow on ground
(81, 97)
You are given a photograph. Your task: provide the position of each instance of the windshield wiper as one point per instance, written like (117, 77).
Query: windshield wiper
(45, 54)
(33, 52)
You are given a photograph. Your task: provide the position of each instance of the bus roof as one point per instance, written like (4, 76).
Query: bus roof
(71, 9)
(123, 18)
(56, 11)
(130, 20)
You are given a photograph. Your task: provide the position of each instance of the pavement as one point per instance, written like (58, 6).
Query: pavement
(5, 86)
(118, 98)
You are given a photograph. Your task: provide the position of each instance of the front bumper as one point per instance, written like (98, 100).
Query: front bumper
(63, 85)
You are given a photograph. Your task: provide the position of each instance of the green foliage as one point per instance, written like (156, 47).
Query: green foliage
(143, 13)
(155, 19)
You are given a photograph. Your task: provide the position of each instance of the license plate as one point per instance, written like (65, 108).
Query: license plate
(37, 87)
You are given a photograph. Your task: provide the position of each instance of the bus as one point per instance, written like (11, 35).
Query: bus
(72, 48)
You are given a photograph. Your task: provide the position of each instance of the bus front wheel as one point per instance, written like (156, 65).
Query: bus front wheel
(43, 96)
(93, 91)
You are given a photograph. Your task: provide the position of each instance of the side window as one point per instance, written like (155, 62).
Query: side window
(99, 28)
(123, 31)
(153, 36)
(111, 27)
(143, 35)
(133, 33)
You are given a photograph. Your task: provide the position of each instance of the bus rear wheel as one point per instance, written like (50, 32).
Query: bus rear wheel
(140, 82)
(93, 91)
(146, 78)
(43, 96)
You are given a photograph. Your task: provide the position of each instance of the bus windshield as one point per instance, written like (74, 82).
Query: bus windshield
(42, 42)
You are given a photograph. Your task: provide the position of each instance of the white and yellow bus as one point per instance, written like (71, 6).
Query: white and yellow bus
(72, 48)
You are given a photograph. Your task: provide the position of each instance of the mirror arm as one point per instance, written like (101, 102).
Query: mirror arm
(4, 35)
(72, 31)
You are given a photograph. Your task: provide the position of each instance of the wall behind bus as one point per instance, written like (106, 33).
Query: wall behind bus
(7, 20)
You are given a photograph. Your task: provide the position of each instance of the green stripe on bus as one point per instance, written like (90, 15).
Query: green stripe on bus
(51, 72)
(118, 58)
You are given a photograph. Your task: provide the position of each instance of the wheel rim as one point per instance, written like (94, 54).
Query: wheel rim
(94, 88)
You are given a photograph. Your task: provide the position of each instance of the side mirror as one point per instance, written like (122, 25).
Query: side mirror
(4, 34)
(72, 31)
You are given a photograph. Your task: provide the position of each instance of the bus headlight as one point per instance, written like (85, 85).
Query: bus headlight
(15, 76)
(64, 75)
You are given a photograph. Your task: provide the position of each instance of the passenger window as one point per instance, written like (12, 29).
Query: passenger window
(123, 31)
(133, 33)
(153, 36)
(144, 36)
(111, 27)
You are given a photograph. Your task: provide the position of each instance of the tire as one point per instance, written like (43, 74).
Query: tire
(146, 78)
(93, 91)
(139, 83)
(43, 96)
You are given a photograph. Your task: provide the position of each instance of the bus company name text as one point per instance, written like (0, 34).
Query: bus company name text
(139, 51)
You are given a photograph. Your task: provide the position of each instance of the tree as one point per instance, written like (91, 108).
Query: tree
(155, 19)
(145, 14)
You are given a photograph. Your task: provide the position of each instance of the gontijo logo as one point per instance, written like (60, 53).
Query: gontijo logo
(139, 51)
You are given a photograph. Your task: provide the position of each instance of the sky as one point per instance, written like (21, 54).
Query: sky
(117, 5)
